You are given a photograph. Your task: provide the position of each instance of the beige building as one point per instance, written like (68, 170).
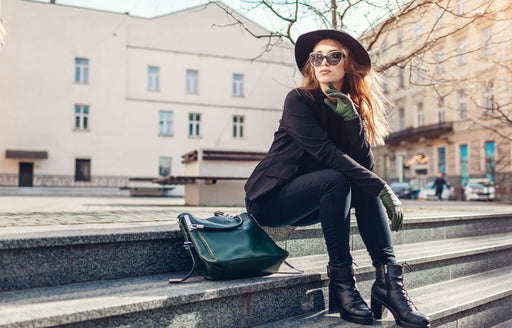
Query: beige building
(446, 101)
(91, 98)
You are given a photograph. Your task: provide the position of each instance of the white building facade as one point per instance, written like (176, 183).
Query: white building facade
(91, 98)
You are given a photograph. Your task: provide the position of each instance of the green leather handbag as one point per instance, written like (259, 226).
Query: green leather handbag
(229, 246)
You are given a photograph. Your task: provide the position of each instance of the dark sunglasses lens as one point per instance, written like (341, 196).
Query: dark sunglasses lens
(316, 59)
(334, 58)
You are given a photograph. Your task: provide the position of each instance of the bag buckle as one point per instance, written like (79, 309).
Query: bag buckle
(187, 244)
(191, 226)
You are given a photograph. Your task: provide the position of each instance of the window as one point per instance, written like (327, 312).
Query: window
(420, 114)
(488, 47)
(441, 159)
(165, 123)
(464, 165)
(164, 166)
(438, 19)
(401, 39)
(490, 160)
(401, 78)
(192, 81)
(441, 110)
(81, 117)
(463, 105)
(82, 70)
(401, 118)
(418, 31)
(489, 97)
(419, 70)
(238, 85)
(153, 78)
(238, 127)
(82, 169)
(462, 52)
(460, 7)
(385, 84)
(440, 61)
(194, 121)
(384, 48)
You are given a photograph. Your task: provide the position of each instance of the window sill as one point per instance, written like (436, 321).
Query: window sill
(81, 83)
(153, 90)
(195, 137)
(165, 135)
(81, 130)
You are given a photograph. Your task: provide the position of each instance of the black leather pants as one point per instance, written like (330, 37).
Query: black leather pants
(326, 196)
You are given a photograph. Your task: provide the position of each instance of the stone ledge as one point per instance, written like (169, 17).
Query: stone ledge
(97, 300)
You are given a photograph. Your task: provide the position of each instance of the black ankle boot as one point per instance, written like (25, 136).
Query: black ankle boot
(345, 298)
(389, 291)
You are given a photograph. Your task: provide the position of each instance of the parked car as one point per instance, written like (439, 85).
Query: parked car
(479, 189)
(429, 192)
(401, 189)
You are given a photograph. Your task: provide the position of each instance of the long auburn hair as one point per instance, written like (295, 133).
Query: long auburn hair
(361, 84)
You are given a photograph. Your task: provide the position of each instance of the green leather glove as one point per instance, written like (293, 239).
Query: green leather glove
(344, 106)
(393, 207)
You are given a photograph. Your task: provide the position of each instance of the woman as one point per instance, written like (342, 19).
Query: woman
(320, 165)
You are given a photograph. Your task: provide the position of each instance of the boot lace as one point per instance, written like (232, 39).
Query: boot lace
(403, 290)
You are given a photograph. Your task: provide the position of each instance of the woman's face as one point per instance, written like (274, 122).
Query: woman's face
(325, 72)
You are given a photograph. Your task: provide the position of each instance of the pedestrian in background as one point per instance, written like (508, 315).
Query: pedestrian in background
(439, 183)
(320, 165)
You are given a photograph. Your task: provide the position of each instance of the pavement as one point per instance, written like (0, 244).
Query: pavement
(51, 211)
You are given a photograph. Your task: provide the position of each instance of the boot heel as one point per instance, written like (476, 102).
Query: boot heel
(334, 307)
(377, 308)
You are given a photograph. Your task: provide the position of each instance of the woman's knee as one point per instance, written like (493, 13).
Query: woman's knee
(336, 181)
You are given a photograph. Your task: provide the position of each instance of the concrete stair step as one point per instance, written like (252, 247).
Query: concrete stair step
(476, 301)
(48, 256)
(506, 324)
(149, 301)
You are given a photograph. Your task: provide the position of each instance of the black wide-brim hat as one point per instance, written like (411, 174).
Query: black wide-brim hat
(307, 41)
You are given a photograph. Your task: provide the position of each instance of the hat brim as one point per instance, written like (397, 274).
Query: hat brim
(306, 42)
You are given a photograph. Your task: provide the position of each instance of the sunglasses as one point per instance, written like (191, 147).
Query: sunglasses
(333, 58)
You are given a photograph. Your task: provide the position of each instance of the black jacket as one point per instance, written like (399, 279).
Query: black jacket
(312, 137)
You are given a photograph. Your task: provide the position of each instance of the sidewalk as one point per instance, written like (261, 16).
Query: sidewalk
(25, 211)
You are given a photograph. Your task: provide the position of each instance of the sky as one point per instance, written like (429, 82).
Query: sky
(152, 8)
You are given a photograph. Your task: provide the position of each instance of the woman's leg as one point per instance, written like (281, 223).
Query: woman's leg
(323, 196)
(388, 290)
(373, 227)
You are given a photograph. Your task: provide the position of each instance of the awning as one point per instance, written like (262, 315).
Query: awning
(26, 154)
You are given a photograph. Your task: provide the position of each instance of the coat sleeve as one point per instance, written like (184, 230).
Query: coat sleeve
(301, 124)
(360, 149)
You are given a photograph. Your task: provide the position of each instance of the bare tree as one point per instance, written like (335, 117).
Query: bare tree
(422, 62)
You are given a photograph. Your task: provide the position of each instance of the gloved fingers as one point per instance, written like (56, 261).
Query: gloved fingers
(333, 93)
(398, 219)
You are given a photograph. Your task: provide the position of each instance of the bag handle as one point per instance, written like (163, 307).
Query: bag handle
(188, 246)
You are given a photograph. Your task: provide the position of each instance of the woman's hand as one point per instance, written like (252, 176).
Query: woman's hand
(393, 207)
(343, 106)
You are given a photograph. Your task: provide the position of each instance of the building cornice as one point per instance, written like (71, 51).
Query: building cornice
(415, 133)
(201, 54)
(198, 104)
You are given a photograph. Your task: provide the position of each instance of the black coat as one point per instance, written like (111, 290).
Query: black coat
(312, 137)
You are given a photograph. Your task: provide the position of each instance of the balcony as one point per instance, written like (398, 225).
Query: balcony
(414, 134)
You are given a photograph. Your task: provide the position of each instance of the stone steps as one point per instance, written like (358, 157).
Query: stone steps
(442, 270)
(50, 256)
(475, 301)
(507, 324)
